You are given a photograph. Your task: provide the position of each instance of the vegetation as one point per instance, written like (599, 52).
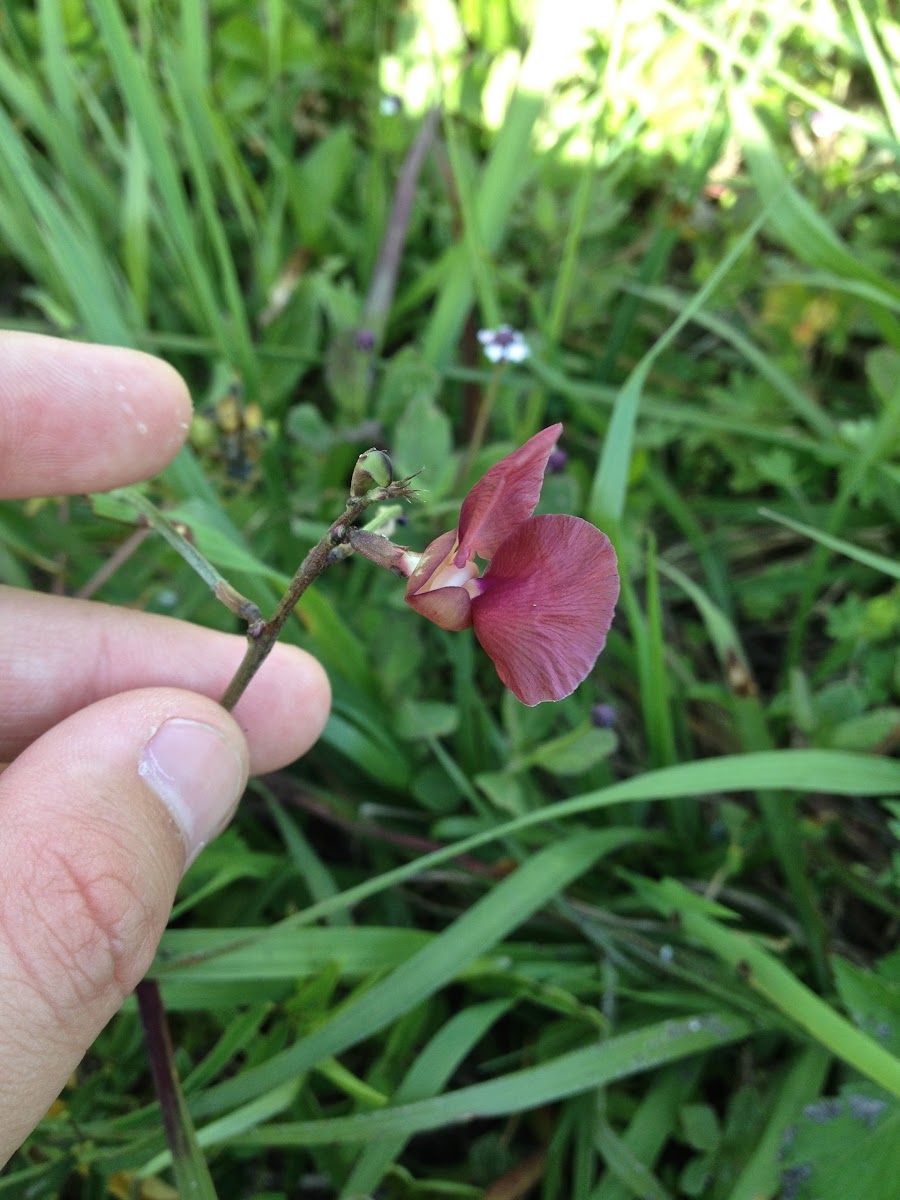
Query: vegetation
(468, 948)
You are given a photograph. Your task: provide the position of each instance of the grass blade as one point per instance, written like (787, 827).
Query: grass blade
(767, 976)
(868, 558)
(486, 922)
(801, 1085)
(610, 484)
(427, 1077)
(568, 1075)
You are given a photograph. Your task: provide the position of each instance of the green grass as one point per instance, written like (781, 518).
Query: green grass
(465, 946)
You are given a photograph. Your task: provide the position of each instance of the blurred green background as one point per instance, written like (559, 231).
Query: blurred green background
(468, 949)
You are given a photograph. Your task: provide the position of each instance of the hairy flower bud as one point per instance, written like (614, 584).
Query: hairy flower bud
(373, 470)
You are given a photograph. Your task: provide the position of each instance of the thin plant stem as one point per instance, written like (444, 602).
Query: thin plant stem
(162, 1062)
(221, 588)
(192, 1175)
(262, 635)
(384, 276)
(349, 361)
(482, 420)
(112, 564)
(336, 544)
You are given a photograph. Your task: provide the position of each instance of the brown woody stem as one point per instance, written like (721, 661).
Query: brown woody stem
(379, 550)
(339, 541)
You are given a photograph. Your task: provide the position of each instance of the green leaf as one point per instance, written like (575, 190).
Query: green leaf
(883, 372)
(800, 1084)
(847, 1148)
(831, 772)
(868, 731)
(112, 506)
(504, 791)
(424, 442)
(226, 955)
(372, 752)
(872, 1002)
(798, 224)
(425, 718)
(700, 1126)
(610, 484)
(407, 377)
(318, 181)
(624, 1169)
(575, 752)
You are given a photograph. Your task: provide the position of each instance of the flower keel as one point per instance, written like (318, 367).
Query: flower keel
(435, 589)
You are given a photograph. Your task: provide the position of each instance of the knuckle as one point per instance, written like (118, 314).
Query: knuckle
(78, 927)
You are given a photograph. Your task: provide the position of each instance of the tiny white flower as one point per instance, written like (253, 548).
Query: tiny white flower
(826, 124)
(504, 344)
(390, 105)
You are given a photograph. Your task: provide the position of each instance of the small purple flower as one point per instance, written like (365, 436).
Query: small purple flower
(603, 716)
(504, 344)
(365, 341)
(866, 1109)
(557, 461)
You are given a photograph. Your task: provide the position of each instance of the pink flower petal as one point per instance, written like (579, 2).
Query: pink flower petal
(548, 601)
(449, 607)
(505, 497)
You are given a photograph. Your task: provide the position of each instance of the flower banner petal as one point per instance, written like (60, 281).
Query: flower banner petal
(548, 602)
(505, 497)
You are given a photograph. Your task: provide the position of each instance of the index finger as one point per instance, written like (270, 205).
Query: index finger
(81, 418)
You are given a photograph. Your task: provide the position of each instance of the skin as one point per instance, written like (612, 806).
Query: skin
(92, 844)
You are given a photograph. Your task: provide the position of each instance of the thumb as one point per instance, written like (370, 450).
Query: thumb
(98, 819)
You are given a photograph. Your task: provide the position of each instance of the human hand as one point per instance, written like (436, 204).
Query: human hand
(121, 765)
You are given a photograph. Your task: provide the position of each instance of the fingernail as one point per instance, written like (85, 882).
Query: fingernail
(198, 776)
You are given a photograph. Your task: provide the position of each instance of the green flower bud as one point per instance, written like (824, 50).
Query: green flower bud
(373, 470)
